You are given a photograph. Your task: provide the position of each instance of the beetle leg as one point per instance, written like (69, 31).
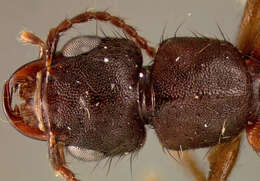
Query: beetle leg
(249, 33)
(191, 164)
(57, 159)
(253, 134)
(222, 159)
(249, 44)
(188, 161)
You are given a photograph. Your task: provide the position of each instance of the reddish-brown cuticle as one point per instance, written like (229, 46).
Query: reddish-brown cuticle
(25, 79)
(253, 135)
(17, 120)
(54, 34)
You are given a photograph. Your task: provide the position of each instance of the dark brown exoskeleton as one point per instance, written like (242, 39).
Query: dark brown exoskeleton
(94, 97)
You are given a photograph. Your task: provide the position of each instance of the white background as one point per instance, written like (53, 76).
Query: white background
(24, 159)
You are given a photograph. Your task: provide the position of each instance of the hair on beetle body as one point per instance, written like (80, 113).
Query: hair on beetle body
(94, 96)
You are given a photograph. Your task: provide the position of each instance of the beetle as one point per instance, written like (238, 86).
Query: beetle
(26, 91)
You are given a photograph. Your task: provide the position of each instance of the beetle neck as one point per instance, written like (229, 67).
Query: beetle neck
(146, 95)
(253, 67)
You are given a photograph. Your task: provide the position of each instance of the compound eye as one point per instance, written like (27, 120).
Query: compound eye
(80, 45)
(85, 154)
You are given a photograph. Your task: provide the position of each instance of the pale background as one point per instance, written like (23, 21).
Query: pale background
(24, 159)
